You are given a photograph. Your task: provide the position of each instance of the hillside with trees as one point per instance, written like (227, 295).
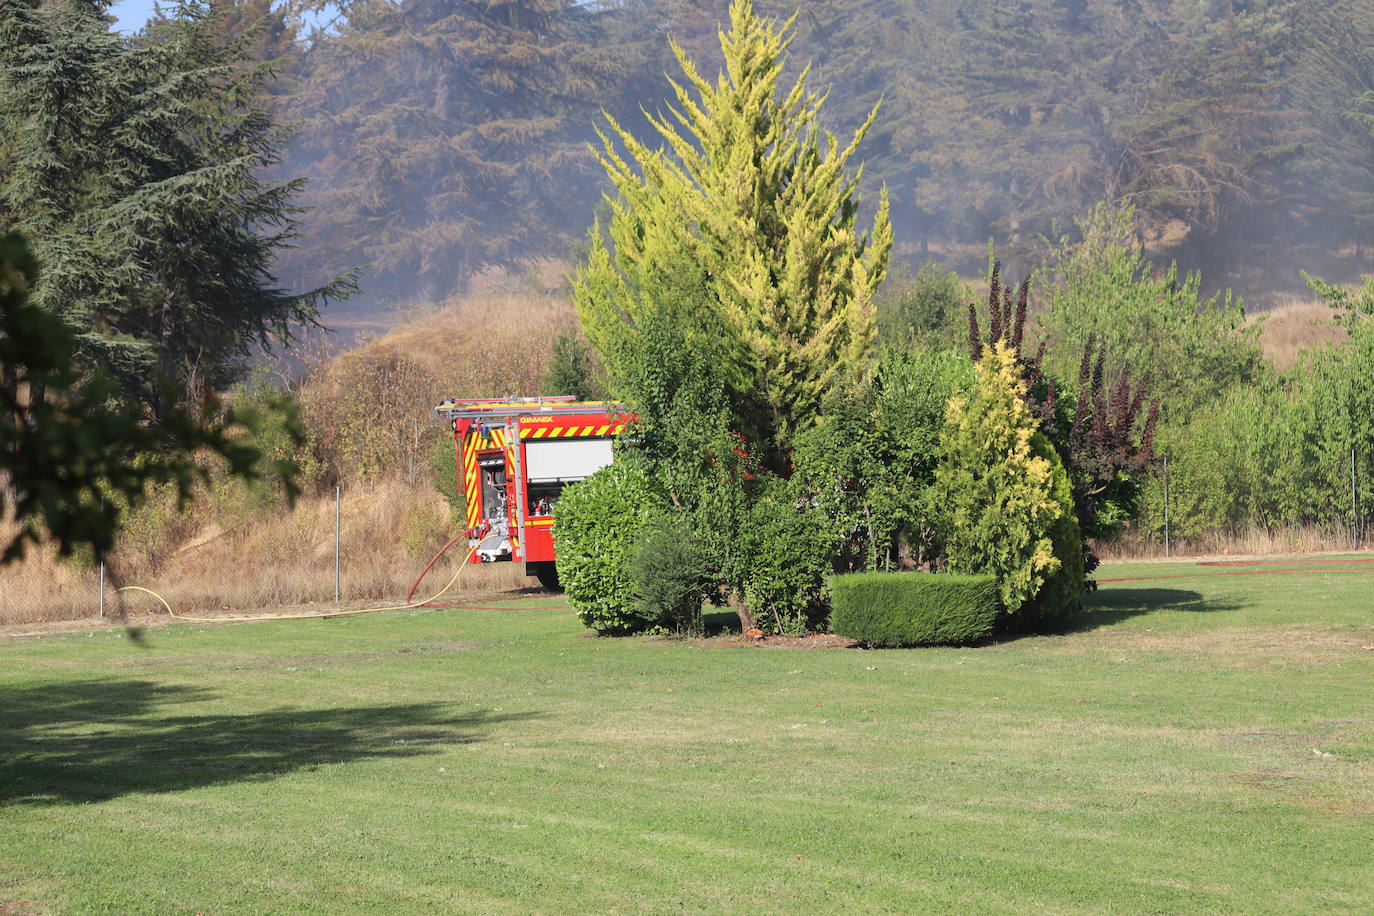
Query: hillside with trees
(445, 138)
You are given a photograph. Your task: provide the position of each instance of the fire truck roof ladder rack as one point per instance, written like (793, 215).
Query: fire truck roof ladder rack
(497, 408)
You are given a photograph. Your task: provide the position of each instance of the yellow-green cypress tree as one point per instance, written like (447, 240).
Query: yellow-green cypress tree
(748, 210)
(996, 492)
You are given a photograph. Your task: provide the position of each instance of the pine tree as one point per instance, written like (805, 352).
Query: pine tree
(443, 137)
(1332, 82)
(75, 461)
(749, 211)
(138, 171)
(1047, 108)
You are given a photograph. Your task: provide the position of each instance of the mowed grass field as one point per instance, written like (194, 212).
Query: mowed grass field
(1195, 744)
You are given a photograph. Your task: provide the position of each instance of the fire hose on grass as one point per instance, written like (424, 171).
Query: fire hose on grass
(319, 615)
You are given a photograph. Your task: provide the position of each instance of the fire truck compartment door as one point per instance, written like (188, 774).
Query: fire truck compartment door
(565, 459)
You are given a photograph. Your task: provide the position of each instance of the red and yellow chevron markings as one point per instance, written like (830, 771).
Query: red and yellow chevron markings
(471, 484)
(496, 438)
(570, 432)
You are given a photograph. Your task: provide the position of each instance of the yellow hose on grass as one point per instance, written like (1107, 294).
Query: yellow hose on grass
(317, 615)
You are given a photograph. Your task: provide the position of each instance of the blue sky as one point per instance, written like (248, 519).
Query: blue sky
(131, 14)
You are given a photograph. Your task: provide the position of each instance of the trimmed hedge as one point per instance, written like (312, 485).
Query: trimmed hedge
(914, 608)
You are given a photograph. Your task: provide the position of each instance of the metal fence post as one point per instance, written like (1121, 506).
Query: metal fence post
(1166, 507)
(1354, 506)
(338, 491)
(102, 569)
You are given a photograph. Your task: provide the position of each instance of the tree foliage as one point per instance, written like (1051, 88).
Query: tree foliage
(74, 462)
(139, 173)
(570, 370)
(1094, 425)
(870, 463)
(1279, 452)
(1156, 323)
(445, 136)
(997, 494)
(670, 575)
(749, 206)
(924, 308)
(1060, 596)
(448, 136)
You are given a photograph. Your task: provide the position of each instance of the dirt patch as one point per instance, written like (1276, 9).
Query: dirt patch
(1312, 789)
(82, 625)
(810, 641)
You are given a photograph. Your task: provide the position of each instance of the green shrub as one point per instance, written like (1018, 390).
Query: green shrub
(668, 575)
(597, 523)
(925, 308)
(869, 463)
(445, 475)
(1060, 596)
(789, 548)
(1103, 287)
(914, 608)
(570, 369)
(995, 491)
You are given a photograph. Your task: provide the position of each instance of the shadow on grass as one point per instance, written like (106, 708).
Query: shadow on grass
(1107, 606)
(93, 740)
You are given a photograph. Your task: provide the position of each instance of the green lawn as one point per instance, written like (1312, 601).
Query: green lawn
(1198, 744)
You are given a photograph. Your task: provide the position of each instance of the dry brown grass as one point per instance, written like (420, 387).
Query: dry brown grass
(368, 410)
(273, 558)
(1254, 540)
(1294, 325)
(488, 345)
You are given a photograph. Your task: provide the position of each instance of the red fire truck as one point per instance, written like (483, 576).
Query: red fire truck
(515, 455)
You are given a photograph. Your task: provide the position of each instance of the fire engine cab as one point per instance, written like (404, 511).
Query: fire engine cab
(514, 456)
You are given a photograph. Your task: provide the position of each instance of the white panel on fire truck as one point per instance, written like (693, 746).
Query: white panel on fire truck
(565, 459)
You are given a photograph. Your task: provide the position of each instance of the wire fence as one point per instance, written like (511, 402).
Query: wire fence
(1191, 508)
(346, 547)
(350, 546)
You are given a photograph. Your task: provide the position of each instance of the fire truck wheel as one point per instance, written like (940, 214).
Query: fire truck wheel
(546, 573)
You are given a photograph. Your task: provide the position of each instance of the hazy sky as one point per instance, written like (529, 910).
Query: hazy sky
(131, 14)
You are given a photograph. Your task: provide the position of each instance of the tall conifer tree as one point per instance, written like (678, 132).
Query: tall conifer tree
(749, 208)
(138, 170)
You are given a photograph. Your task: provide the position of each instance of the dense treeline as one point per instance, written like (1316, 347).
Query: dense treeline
(446, 136)
(141, 232)
(441, 137)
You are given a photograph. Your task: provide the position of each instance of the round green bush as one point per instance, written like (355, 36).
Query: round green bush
(790, 546)
(597, 523)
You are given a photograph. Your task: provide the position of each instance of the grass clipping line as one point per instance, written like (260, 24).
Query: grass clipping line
(316, 614)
